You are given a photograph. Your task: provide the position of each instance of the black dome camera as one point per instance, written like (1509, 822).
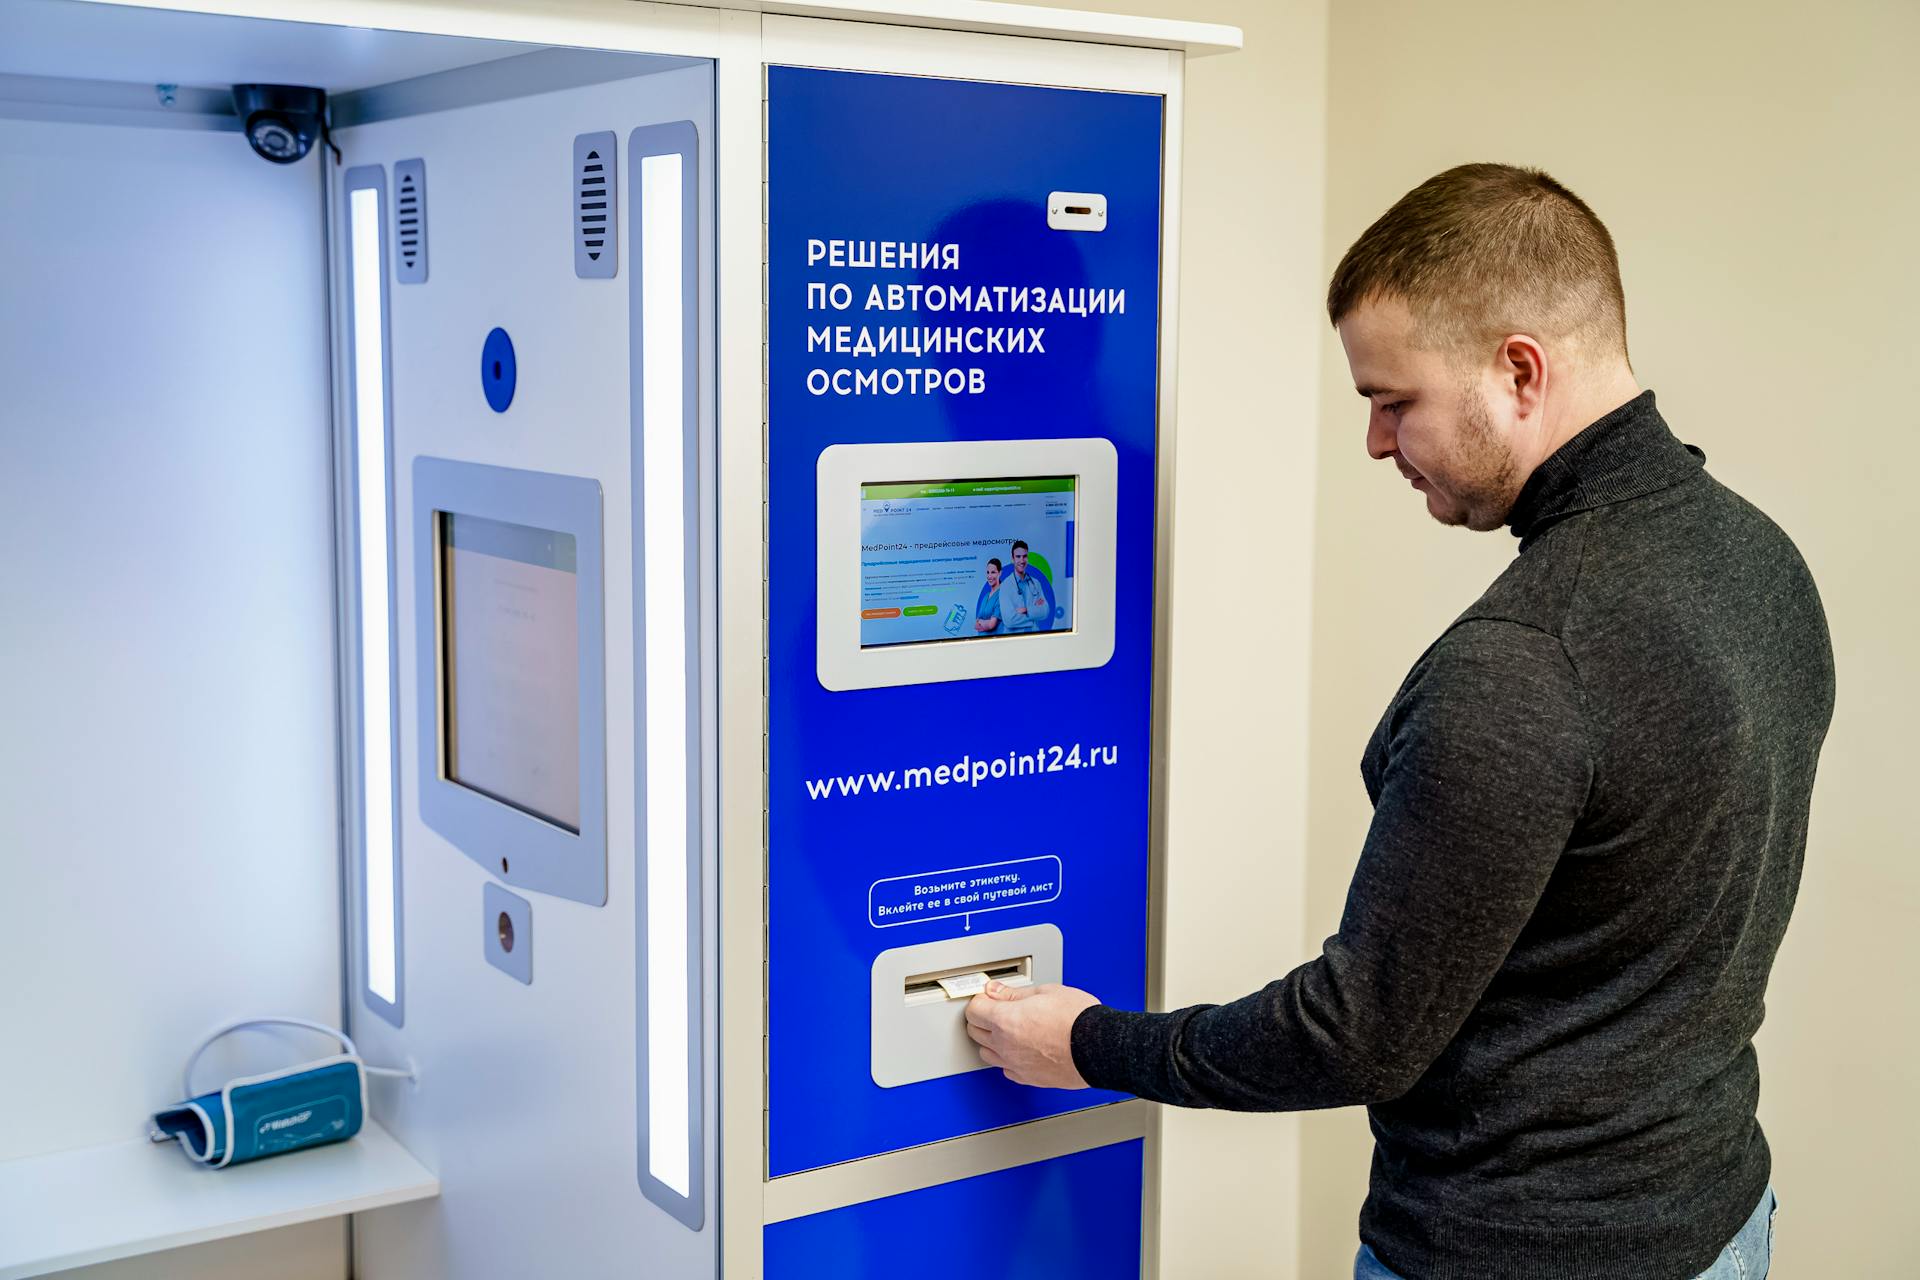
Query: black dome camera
(281, 120)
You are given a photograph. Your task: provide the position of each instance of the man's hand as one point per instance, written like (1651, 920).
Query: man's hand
(1027, 1032)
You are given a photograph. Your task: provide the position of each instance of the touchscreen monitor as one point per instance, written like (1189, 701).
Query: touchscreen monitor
(510, 633)
(979, 559)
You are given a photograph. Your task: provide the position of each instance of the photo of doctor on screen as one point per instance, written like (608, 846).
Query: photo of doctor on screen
(1023, 600)
(986, 617)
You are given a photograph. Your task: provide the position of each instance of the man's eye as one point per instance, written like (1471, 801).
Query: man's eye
(1395, 407)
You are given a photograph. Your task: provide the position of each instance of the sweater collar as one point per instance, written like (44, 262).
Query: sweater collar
(1626, 454)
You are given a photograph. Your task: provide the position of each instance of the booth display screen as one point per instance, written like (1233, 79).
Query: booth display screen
(966, 559)
(510, 664)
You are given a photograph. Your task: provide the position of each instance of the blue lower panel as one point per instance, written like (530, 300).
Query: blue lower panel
(1073, 1218)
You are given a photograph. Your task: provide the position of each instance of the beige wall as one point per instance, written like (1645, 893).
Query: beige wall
(1248, 405)
(1757, 166)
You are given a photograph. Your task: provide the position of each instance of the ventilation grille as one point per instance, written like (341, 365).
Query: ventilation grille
(593, 196)
(596, 230)
(410, 221)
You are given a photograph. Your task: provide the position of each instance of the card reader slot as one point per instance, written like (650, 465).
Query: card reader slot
(925, 988)
(919, 996)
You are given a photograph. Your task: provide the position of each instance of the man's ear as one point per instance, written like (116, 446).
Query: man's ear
(1524, 372)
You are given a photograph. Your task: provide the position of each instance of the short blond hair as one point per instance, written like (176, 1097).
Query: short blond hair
(1485, 250)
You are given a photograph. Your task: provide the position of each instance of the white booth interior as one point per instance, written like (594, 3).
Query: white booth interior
(170, 494)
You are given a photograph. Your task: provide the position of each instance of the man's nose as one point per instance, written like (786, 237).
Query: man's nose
(1382, 440)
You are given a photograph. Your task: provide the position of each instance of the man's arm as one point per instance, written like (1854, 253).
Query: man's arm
(1488, 769)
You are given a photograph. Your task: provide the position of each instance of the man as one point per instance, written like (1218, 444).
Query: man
(1023, 601)
(1590, 800)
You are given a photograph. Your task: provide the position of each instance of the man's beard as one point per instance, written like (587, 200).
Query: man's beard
(1481, 475)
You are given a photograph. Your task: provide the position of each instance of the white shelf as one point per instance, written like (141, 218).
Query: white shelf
(95, 1204)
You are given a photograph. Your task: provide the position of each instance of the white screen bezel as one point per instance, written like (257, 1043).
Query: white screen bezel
(840, 661)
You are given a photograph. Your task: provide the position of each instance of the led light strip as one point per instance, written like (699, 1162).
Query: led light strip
(662, 259)
(376, 623)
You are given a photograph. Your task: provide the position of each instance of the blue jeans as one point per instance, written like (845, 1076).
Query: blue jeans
(1748, 1256)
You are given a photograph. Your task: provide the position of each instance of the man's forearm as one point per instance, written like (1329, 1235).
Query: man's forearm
(1268, 1051)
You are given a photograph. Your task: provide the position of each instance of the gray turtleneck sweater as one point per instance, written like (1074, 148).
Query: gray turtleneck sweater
(1590, 809)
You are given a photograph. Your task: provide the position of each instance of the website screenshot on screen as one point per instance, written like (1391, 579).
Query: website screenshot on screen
(965, 559)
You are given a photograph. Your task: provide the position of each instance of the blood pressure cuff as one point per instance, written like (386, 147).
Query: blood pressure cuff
(303, 1106)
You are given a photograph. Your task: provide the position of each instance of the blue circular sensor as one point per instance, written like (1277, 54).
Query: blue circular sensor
(497, 371)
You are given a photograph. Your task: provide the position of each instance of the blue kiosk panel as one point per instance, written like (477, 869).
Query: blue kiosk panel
(1037, 1217)
(918, 295)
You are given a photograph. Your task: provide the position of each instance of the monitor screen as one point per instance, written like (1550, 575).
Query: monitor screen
(510, 662)
(966, 559)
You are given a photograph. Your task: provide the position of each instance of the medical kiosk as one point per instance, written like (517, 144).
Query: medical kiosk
(655, 518)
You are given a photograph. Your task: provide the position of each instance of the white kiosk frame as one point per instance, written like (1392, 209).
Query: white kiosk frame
(966, 39)
(1070, 59)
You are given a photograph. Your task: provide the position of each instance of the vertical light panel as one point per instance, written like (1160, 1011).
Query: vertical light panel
(663, 415)
(371, 590)
(671, 566)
